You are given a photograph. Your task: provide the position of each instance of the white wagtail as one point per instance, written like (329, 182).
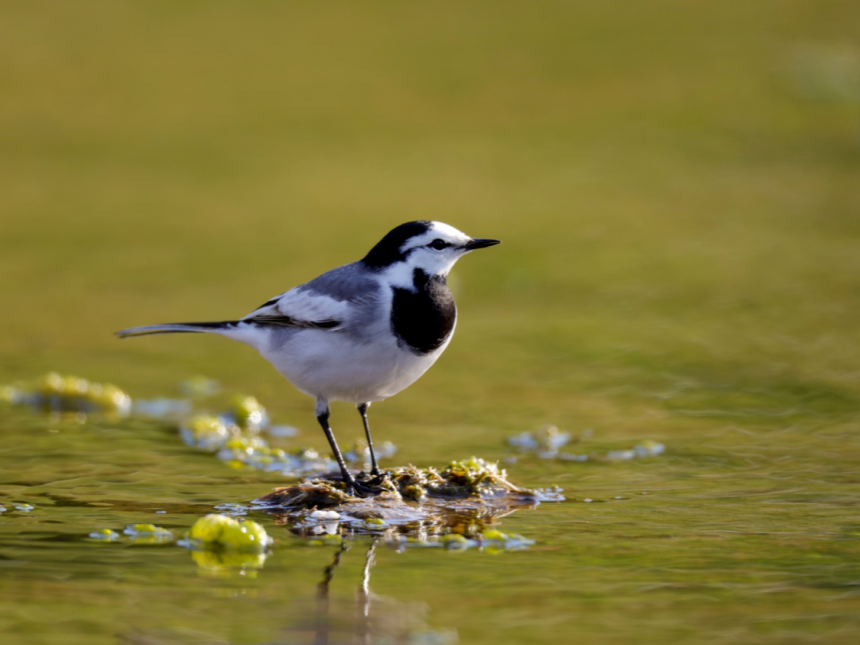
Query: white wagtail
(361, 332)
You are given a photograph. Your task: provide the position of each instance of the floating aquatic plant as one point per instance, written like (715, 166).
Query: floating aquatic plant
(408, 495)
(10, 395)
(205, 431)
(248, 413)
(243, 445)
(224, 546)
(547, 441)
(219, 544)
(644, 449)
(234, 436)
(222, 532)
(57, 393)
(104, 534)
(148, 534)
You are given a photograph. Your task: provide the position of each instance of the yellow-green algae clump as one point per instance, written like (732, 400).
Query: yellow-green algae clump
(222, 532)
(104, 534)
(242, 445)
(220, 544)
(148, 534)
(248, 411)
(55, 392)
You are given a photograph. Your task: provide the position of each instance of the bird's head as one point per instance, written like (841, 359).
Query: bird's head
(432, 247)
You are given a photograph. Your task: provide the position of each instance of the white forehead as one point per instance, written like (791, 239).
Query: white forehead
(437, 230)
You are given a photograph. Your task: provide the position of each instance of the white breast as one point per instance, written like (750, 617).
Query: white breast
(333, 366)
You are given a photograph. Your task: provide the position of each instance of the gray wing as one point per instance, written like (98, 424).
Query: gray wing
(326, 302)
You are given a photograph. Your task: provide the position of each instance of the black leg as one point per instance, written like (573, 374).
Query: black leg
(362, 410)
(323, 419)
(353, 486)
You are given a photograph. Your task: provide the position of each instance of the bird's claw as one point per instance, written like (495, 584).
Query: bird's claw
(376, 478)
(359, 489)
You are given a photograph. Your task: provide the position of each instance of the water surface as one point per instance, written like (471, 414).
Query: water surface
(759, 526)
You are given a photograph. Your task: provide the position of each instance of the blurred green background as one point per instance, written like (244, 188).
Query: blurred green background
(676, 185)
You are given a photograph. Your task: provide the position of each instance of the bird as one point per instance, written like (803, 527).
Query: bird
(361, 332)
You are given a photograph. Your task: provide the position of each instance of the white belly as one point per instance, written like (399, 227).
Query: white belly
(333, 366)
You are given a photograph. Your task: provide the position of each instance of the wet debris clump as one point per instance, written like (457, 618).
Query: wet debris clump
(472, 477)
(314, 493)
(469, 478)
(408, 497)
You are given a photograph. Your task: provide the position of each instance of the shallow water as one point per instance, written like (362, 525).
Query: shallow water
(745, 536)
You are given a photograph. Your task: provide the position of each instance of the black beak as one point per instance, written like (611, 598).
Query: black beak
(480, 244)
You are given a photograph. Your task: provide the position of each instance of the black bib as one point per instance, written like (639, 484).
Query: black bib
(423, 319)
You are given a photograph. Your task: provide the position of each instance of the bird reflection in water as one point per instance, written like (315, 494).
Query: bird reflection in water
(376, 618)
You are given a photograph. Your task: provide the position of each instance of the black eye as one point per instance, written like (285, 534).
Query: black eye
(438, 244)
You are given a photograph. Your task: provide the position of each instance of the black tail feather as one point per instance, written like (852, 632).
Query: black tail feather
(177, 328)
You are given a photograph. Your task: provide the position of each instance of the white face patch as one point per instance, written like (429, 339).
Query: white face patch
(401, 275)
(438, 231)
(421, 255)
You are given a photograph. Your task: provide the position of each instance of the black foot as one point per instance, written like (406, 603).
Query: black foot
(361, 489)
(375, 479)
